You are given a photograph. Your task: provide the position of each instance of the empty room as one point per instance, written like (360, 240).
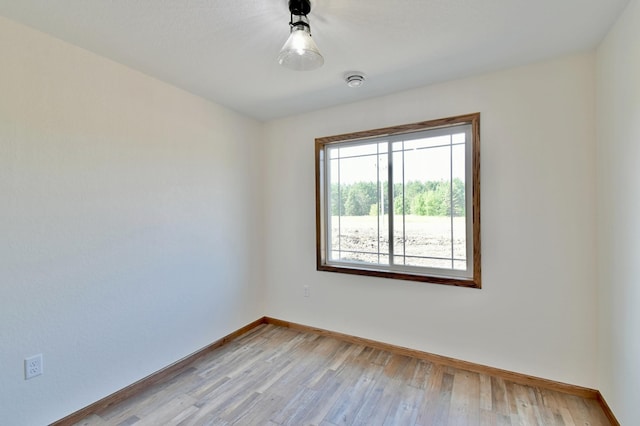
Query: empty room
(294, 212)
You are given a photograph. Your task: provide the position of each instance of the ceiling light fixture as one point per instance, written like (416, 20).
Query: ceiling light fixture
(354, 79)
(300, 52)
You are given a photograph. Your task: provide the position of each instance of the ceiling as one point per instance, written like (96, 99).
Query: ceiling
(225, 50)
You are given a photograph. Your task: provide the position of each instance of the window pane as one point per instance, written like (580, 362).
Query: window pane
(359, 239)
(359, 218)
(458, 138)
(459, 207)
(400, 206)
(459, 265)
(429, 262)
(381, 208)
(427, 187)
(430, 164)
(428, 236)
(358, 150)
(426, 142)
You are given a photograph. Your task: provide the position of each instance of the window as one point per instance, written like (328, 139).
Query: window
(402, 202)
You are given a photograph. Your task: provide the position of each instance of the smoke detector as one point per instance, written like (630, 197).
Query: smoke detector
(354, 79)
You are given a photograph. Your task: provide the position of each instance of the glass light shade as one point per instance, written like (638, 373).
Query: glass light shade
(300, 52)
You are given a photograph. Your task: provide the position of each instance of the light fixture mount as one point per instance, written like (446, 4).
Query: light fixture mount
(299, 8)
(300, 52)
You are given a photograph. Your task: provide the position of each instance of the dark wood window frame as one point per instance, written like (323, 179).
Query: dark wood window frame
(474, 278)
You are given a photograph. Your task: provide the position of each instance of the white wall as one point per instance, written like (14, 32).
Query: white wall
(127, 225)
(618, 101)
(536, 311)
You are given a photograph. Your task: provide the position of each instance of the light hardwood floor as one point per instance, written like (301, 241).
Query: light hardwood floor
(278, 376)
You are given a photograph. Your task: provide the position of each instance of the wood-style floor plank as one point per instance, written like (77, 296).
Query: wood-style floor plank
(277, 376)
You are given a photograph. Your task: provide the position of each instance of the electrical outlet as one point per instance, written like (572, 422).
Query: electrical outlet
(306, 291)
(32, 366)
